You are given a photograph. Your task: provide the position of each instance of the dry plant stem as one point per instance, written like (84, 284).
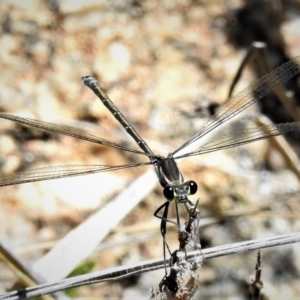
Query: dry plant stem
(146, 266)
(182, 281)
(23, 272)
(26, 276)
(251, 52)
(258, 51)
(257, 284)
(280, 144)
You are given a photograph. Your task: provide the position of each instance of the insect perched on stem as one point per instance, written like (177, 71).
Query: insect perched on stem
(175, 189)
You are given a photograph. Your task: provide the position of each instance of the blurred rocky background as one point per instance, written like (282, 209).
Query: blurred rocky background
(165, 64)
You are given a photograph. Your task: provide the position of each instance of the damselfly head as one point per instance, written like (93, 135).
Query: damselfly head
(180, 191)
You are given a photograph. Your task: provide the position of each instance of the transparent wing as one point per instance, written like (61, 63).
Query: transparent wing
(247, 97)
(67, 130)
(245, 136)
(48, 173)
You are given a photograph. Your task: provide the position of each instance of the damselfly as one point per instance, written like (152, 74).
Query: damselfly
(169, 175)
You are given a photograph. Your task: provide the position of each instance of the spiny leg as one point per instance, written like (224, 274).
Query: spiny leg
(163, 227)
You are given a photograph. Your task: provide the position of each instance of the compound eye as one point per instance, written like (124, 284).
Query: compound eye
(168, 193)
(193, 187)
